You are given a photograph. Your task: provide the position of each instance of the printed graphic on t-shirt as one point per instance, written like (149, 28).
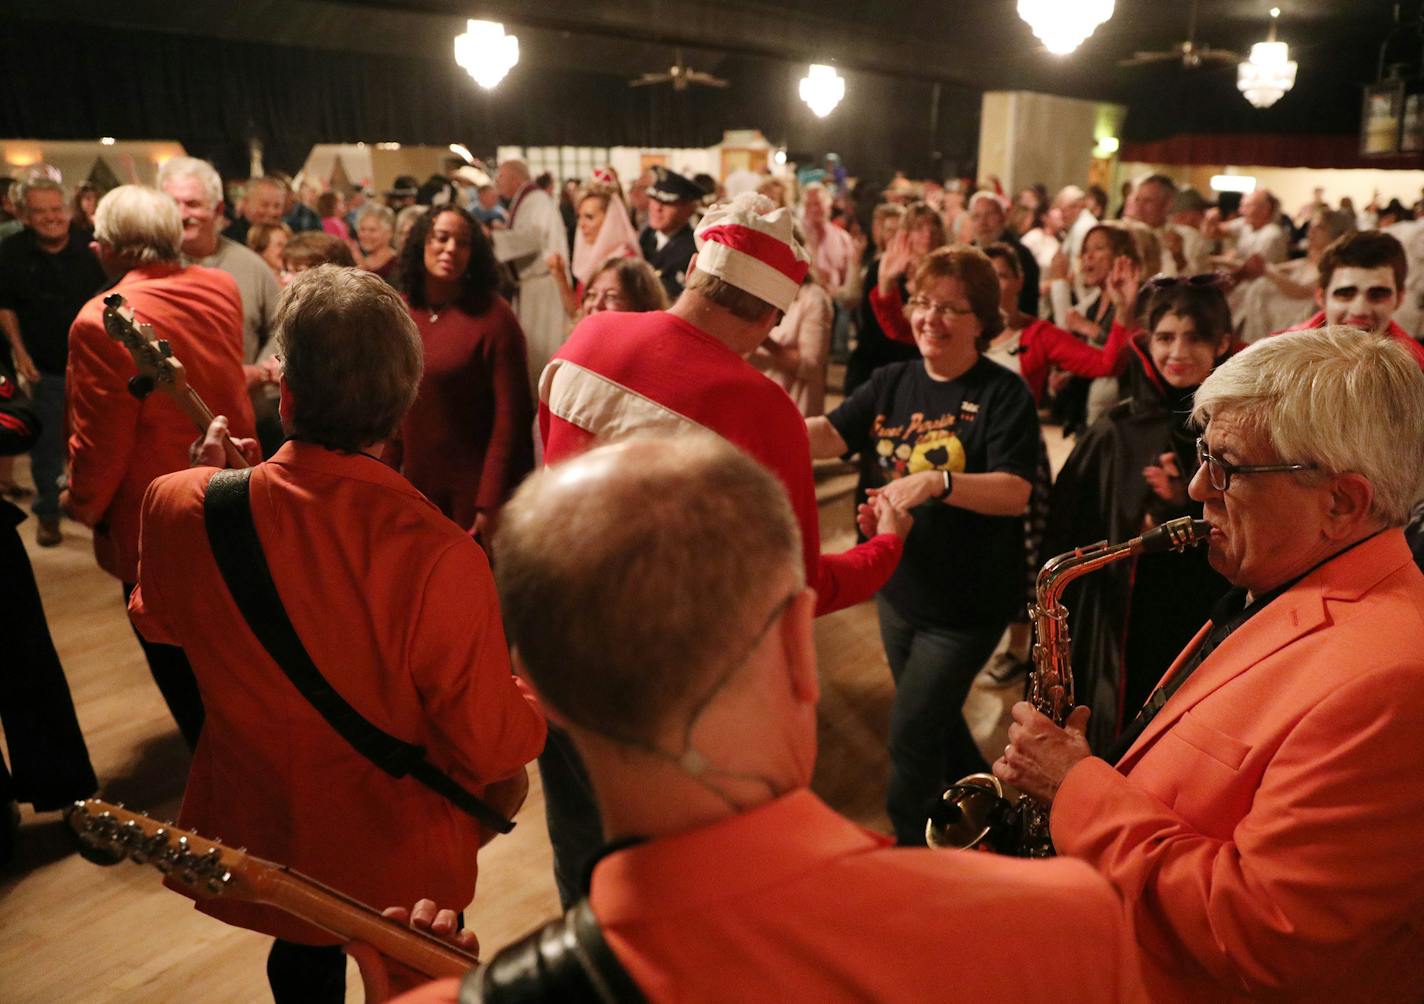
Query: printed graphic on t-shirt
(921, 444)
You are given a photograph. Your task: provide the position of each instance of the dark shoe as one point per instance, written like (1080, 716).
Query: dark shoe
(1004, 670)
(48, 534)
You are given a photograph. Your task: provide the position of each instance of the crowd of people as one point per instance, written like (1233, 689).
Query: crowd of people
(527, 475)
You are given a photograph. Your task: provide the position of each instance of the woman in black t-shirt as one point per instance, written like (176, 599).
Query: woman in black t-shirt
(955, 438)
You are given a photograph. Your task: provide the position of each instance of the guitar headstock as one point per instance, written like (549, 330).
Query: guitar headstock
(204, 867)
(157, 366)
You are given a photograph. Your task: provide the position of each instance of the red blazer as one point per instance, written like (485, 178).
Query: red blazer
(1266, 827)
(1395, 331)
(1041, 344)
(396, 606)
(117, 443)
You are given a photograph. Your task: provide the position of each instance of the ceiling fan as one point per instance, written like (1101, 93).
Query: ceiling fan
(1189, 52)
(680, 75)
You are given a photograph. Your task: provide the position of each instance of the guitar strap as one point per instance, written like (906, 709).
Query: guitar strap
(227, 515)
(567, 961)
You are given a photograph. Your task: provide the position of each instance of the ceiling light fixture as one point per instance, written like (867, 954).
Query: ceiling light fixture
(822, 89)
(486, 52)
(1269, 73)
(1063, 25)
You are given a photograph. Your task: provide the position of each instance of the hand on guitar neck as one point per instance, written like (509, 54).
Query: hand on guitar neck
(159, 369)
(210, 449)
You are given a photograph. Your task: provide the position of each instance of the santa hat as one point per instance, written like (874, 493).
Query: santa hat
(749, 244)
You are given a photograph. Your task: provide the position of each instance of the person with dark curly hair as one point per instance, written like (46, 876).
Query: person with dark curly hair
(467, 441)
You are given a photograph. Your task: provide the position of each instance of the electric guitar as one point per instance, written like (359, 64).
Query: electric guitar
(159, 368)
(208, 869)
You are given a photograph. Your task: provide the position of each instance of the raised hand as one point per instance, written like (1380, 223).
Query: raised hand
(1124, 280)
(895, 261)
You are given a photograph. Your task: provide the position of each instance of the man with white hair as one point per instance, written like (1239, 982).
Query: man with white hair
(46, 274)
(118, 442)
(535, 231)
(833, 259)
(990, 226)
(1261, 816)
(196, 187)
(683, 370)
(1259, 240)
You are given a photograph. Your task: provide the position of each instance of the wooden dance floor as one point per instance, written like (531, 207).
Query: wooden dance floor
(72, 931)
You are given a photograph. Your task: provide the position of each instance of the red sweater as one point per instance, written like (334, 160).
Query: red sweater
(466, 443)
(621, 372)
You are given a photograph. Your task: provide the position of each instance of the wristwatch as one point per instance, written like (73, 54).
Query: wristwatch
(948, 489)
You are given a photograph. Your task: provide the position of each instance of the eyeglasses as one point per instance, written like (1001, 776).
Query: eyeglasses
(606, 299)
(942, 311)
(1219, 472)
(1202, 281)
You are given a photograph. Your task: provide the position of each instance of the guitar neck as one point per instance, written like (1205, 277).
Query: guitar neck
(198, 412)
(205, 869)
(350, 920)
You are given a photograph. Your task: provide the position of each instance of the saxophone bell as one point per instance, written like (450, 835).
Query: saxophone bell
(975, 811)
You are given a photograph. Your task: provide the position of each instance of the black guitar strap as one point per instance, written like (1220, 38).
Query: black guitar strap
(227, 514)
(565, 961)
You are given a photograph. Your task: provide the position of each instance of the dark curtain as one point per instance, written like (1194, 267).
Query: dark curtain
(213, 95)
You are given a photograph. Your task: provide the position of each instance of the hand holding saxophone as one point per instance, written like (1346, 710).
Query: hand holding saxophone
(1040, 754)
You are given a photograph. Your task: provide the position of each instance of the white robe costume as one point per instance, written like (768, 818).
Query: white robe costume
(536, 230)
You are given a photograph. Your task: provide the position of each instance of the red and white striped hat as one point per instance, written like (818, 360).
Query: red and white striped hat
(752, 246)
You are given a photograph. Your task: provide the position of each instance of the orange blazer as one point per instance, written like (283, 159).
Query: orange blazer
(1267, 828)
(396, 606)
(790, 903)
(117, 443)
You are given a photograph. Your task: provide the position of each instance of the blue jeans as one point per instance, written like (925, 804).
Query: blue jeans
(930, 742)
(47, 457)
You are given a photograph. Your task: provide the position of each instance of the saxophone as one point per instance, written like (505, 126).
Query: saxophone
(975, 811)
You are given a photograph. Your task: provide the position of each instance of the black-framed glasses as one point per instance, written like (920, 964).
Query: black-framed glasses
(1220, 472)
(1202, 281)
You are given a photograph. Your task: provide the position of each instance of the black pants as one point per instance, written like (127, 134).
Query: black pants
(47, 752)
(306, 974)
(174, 676)
(571, 812)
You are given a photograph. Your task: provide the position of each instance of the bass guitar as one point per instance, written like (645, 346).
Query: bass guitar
(208, 869)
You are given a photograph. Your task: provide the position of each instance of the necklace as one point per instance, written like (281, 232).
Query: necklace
(435, 310)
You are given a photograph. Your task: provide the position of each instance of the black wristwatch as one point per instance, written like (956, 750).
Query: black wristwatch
(948, 488)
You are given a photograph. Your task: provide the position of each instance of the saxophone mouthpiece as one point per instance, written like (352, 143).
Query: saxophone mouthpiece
(1173, 535)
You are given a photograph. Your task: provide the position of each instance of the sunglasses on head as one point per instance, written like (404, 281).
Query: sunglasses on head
(1203, 281)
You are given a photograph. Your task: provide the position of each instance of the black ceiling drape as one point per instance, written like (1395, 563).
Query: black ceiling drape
(78, 82)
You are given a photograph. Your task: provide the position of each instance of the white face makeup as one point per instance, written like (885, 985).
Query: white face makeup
(1364, 298)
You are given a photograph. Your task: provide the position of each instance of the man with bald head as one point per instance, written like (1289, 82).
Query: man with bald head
(1260, 240)
(535, 232)
(690, 689)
